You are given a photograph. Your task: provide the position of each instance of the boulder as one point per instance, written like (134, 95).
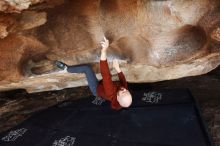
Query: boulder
(154, 40)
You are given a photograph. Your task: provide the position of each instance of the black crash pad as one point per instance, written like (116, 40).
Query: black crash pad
(156, 118)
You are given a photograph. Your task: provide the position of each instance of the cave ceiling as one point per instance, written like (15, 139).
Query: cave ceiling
(154, 40)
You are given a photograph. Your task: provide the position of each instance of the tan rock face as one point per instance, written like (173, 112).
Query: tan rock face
(216, 34)
(16, 5)
(155, 40)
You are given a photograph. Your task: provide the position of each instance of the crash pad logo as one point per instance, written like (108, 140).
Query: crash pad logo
(66, 141)
(152, 97)
(98, 101)
(13, 135)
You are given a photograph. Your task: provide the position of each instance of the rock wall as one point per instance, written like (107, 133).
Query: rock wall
(16, 6)
(154, 40)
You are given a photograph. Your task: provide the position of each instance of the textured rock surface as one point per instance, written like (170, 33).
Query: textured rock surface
(155, 40)
(16, 5)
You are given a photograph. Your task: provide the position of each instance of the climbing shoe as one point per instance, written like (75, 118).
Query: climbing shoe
(61, 65)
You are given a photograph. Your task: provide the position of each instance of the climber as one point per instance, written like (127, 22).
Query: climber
(115, 92)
